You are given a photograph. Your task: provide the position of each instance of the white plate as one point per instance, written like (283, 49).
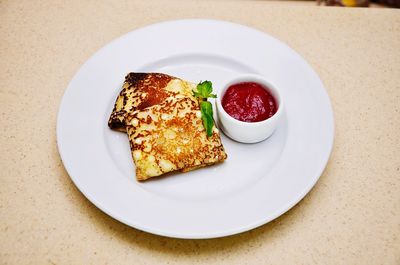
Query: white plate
(257, 183)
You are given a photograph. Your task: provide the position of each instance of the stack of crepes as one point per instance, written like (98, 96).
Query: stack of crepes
(164, 124)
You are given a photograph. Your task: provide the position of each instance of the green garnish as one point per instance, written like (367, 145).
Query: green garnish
(203, 92)
(207, 116)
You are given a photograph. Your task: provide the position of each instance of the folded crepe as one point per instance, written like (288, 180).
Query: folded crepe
(163, 121)
(142, 90)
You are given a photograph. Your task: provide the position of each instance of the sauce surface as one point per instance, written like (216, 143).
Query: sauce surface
(249, 102)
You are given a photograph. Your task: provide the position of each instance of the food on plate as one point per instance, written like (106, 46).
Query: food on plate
(249, 102)
(171, 136)
(169, 123)
(142, 90)
(249, 108)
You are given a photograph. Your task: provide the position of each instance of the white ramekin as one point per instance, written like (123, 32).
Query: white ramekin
(249, 132)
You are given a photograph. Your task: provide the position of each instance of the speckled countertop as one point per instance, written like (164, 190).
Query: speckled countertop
(352, 216)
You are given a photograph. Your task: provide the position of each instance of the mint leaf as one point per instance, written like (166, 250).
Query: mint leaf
(203, 92)
(207, 116)
(204, 88)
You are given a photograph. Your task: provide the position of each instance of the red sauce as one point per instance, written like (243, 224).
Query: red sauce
(249, 102)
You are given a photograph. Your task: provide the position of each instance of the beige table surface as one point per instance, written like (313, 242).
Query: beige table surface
(352, 216)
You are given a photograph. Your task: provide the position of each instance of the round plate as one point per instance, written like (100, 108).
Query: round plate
(257, 183)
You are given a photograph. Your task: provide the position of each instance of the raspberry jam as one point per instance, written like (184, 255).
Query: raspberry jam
(249, 102)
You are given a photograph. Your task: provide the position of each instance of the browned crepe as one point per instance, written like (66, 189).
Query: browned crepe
(163, 122)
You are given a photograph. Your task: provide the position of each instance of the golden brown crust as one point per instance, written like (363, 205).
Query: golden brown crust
(163, 121)
(169, 137)
(139, 91)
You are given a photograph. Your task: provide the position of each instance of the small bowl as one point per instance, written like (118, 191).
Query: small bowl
(249, 132)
